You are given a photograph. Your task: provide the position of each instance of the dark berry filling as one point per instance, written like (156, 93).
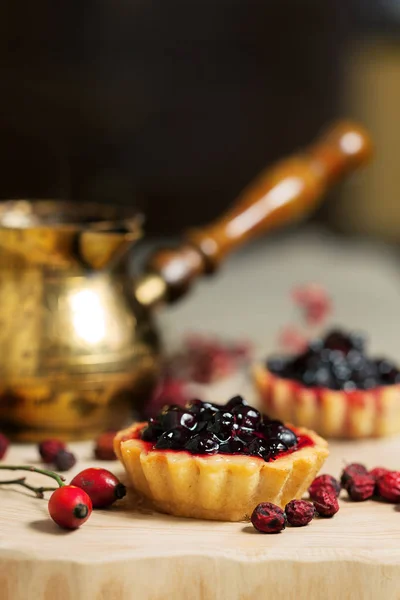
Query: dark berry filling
(234, 428)
(338, 362)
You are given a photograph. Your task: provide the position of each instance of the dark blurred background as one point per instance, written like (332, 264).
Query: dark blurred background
(176, 105)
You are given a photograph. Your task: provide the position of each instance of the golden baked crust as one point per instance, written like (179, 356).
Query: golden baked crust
(337, 414)
(220, 487)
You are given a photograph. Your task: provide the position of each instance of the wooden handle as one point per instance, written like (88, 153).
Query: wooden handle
(282, 194)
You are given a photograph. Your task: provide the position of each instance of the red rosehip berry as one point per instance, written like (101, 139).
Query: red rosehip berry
(361, 487)
(325, 481)
(64, 460)
(299, 513)
(389, 486)
(268, 518)
(325, 502)
(70, 507)
(49, 448)
(4, 444)
(351, 470)
(104, 448)
(377, 472)
(101, 485)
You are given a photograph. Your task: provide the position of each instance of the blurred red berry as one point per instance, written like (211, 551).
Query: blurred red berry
(388, 486)
(104, 446)
(292, 340)
(4, 444)
(314, 303)
(49, 448)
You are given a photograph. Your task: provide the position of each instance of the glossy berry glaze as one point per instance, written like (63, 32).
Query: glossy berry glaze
(203, 428)
(336, 362)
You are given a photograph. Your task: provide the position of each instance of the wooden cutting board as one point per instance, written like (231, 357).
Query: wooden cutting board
(130, 553)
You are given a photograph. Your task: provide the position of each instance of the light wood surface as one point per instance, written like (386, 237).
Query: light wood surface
(130, 553)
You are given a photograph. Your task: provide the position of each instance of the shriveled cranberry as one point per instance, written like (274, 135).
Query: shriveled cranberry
(4, 444)
(102, 487)
(221, 424)
(268, 518)
(202, 443)
(175, 416)
(49, 448)
(324, 481)
(234, 402)
(351, 470)
(64, 460)
(388, 486)
(361, 487)
(104, 446)
(246, 416)
(299, 513)
(325, 502)
(174, 439)
(377, 472)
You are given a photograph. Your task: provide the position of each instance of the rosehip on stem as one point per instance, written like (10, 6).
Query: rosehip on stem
(70, 506)
(101, 486)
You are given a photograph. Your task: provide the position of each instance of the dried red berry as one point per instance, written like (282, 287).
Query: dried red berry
(325, 481)
(268, 518)
(325, 502)
(101, 485)
(314, 302)
(64, 460)
(377, 472)
(49, 448)
(70, 507)
(361, 487)
(299, 513)
(388, 486)
(4, 443)
(104, 449)
(351, 470)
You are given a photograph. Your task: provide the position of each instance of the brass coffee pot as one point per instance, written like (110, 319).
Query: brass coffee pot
(77, 342)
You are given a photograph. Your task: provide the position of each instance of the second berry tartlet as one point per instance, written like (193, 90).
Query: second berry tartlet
(334, 388)
(218, 462)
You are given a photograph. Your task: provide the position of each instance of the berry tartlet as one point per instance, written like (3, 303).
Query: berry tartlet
(217, 462)
(333, 388)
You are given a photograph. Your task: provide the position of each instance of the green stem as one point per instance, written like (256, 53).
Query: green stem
(39, 491)
(60, 480)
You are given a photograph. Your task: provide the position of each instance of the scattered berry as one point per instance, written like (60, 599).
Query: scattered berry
(104, 448)
(325, 502)
(64, 460)
(4, 444)
(314, 302)
(70, 507)
(361, 487)
(101, 486)
(299, 513)
(49, 448)
(268, 518)
(378, 472)
(291, 340)
(388, 486)
(325, 481)
(349, 472)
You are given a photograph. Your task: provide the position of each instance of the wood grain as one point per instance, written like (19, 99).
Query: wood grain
(130, 553)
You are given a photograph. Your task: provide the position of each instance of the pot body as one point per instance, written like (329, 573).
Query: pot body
(77, 352)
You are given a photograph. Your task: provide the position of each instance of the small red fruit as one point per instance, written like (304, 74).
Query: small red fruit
(101, 485)
(4, 443)
(268, 518)
(325, 481)
(104, 449)
(49, 448)
(299, 513)
(70, 507)
(351, 470)
(389, 486)
(378, 472)
(64, 460)
(325, 502)
(361, 487)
